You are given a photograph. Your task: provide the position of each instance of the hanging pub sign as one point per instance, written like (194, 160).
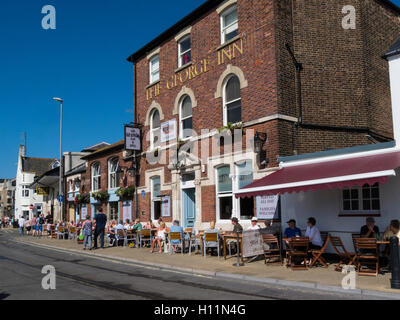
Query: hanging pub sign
(266, 207)
(42, 191)
(168, 130)
(166, 206)
(132, 138)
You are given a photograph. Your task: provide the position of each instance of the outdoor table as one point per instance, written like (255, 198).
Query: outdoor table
(233, 237)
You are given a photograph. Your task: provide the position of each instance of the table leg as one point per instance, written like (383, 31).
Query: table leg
(225, 248)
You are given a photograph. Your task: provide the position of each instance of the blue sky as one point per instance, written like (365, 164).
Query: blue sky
(83, 61)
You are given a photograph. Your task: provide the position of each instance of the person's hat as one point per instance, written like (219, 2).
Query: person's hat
(292, 220)
(370, 219)
(254, 219)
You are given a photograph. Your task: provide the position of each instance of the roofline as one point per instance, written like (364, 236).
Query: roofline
(172, 31)
(118, 145)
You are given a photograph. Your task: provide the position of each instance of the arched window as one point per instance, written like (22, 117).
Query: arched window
(232, 100)
(96, 177)
(113, 179)
(155, 129)
(186, 122)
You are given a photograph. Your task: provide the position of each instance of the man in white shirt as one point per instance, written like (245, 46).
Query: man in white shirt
(313, 233)
(21, 223)
(254, 225)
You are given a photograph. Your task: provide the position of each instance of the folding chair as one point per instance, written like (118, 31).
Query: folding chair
(121, 235)
(131, 236)
(175, 236)
(317, 254)
(298, 250)
(355, 236)
(211, 240)
(273, 250)
(345, 257)
(367, 255)
(53, 233)
(72, 233)
(194, 241)
(60, 232)
(144, 236)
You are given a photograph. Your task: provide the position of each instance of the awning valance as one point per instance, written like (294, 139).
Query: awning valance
(328, 174)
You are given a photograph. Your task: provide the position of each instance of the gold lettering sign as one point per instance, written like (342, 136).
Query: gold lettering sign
(224, 55)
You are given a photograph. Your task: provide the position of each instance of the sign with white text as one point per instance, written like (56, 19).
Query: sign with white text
(132, 138)
(266, 207)
(253, 244)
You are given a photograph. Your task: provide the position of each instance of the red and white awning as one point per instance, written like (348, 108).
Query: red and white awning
(326, 174)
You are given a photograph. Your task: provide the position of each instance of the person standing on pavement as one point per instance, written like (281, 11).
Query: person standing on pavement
(87, 232)
(21, 223)
(100, 224)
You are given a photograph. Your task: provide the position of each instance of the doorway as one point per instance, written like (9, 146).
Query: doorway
(188, 200)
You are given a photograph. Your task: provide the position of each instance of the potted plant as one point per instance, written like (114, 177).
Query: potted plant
(82, 198)
(127, 192)
(101, 196)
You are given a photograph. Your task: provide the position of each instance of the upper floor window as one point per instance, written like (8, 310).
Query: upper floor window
(112, 173)
(155, 129)
(366, 198)
(77, 185)
(232, 101)
(229, 24)
(184, 51)
(71, 186)
(96, 177)
(186, 123)
(154, 69)
(25, 192)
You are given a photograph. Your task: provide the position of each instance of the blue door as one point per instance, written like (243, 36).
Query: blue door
(189, 208)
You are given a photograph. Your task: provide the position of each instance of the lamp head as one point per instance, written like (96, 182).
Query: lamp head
(58, 99)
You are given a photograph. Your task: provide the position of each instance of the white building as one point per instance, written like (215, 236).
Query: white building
(27, 202)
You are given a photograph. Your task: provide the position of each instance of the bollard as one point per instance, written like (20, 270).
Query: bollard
(238, 264)
(395, 261)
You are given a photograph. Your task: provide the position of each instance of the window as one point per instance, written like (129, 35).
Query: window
(155, 69)
(113, 179)
(25, 192)
(229, 24)
(224, 193)
(232, 101)
(366, 198)
(245, 177)
(71, 186)
(155, 198)
(186, 125)
(155, 129)
(96, 177)
(114, 206)
(77, 185)
(184, 51)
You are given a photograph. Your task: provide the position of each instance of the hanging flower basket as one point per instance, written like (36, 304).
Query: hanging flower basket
(102, 196)
(127, 192)
(82, 198)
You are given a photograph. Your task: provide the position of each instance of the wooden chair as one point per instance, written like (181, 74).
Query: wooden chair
(298, 250)
(211, 240)
(53, 234)
(131, 236)
(145, 236)
(175, 236)
(72, 232)
(367, 255)
(355, 236)
(317, 254)
(324, 236)
(60, 232)
(121, 235)
(344, 256)
(273, 250)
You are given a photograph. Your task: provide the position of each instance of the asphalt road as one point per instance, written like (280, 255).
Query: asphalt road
(85, 278)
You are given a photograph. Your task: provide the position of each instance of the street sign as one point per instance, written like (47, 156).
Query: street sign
(60, 198)
(132, 138)
(143, 194)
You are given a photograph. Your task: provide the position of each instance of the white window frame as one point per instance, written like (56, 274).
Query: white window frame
(96, 176)
(181, 119)
(180, 54)
(219, 195)
(25, 191)
(225, 103)
(153, 73)
(77, 185)
(360, 201)
(111, 173)
(71, 186)
(222, 17)
(154, 130)
(152, 197)
(235, 186)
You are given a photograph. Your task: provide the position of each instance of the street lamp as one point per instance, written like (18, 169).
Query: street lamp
(61, 166)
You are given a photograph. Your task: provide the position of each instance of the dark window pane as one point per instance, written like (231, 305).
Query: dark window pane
(354, 193)
(367, 205)
(246, 208)
(375, 193)
(231, 35)
(185, 45)
(225, 208)
(354, 205)
(346, 205)
(186, 107)
(235, 111)
(186, 58)
(366, 193)
(376, 205)
(232, 89)
(156, 119)
(346, 194)
(187, 127)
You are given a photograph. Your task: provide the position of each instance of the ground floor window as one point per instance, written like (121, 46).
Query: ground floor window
(113, 212)
(246, 208)
(365, 198)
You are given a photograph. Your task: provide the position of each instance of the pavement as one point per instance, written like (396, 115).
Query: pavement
(316, 279)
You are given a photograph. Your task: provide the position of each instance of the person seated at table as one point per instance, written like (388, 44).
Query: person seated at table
(236, 225)
(313, 234)
(127, 224)
(254, 225)
(137, 225)
(159, 238)
(159, 221)
(149, 225)
(370, 230)
(292, 230)
(176, 228)
(212, 228)
(119, 226)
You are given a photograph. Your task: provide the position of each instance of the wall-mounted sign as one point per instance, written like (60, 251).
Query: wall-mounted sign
(42, 191)
(168, 130)
(132, 138)
(266, 207)
(166, 206)
(143, 193)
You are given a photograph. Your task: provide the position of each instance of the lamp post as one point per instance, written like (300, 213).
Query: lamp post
(60, 190)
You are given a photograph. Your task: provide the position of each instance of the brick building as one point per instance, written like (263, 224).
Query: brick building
(290, 69)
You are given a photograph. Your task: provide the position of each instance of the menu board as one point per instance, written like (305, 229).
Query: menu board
(253, 244)
(266, 207)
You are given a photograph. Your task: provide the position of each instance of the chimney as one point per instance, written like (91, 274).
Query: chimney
(393, 57)
(21, 150)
